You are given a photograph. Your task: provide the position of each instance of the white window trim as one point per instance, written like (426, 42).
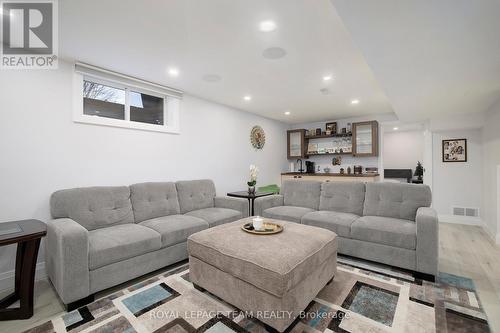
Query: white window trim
(171, 99)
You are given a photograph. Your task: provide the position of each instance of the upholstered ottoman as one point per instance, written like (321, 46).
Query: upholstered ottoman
(272, 277)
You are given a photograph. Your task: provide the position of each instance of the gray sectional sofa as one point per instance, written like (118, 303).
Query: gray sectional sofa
(390, 223)
(103, 236)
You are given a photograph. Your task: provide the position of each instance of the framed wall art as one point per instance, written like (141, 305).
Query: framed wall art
(331, 127)
(455, 150)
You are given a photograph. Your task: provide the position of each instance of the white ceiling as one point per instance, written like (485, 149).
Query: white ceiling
(417, 58)
(144, 38)
(433, 58)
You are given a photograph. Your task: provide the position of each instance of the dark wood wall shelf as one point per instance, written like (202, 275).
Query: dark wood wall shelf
(334, 174)
(320, 154)
(364, 140)
(324, 136)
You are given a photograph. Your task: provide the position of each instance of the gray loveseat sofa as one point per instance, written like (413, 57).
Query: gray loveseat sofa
(103, 236)
(390, 223)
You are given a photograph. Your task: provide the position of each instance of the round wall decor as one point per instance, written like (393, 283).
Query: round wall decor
(257, 137)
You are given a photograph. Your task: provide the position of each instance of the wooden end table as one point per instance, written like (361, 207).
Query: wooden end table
(251, 198)
(27, 235)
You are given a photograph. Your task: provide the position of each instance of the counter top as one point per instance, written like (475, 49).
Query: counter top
(324, 174)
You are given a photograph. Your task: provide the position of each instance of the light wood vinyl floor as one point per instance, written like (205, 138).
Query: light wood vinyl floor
(464, 250)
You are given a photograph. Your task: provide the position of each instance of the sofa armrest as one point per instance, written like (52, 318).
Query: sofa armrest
(427, 241)
(263, 203)
(67, 259)
(238, 204)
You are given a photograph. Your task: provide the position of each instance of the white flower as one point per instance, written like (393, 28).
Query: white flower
(254, 170)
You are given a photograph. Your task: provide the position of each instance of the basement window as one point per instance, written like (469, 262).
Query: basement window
(107, 98)
(103, 101)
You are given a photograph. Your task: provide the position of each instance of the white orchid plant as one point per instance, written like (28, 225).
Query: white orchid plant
(254, 170)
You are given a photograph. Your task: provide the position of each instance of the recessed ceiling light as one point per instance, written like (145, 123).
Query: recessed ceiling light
(173, 72)
(267, 26)
(395, 128)
(355, 101)
(247, 98)
(212, 78)
(287, 113)
(274, 53)
(327, 78)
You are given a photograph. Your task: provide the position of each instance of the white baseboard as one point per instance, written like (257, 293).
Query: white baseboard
(494, 238)
(7, 278)
(468, 220)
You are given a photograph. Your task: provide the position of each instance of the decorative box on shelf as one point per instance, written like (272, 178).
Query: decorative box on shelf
(312, 148)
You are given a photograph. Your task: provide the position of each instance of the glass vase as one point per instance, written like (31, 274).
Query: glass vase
(251, 189)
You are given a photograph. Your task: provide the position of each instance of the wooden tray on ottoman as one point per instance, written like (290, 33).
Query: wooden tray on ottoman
(269, 228)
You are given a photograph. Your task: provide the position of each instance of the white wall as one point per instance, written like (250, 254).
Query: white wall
(43, 150)
(446, 122)
(402, 149)
(347, 160)
(457, 183)
(491, 172)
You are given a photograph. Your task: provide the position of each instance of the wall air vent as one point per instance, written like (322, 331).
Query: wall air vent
(465, 211)
(474, 212)
(459, 211)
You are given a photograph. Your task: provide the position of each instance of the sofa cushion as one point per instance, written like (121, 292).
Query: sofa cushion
(399, 201)
(345, 197)
(287, 213)
(195, 194)
(338, 222)
(117, 243)
(93, 207)
(216, 215)
(151, 200)
(385, 230)
(175, 229)
(275, 265)
(303, 193)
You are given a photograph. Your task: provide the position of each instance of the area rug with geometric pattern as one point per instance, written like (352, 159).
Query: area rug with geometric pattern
(363, 297)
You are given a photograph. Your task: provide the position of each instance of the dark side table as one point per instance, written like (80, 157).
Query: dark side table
(251, 198)
(27, 235)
